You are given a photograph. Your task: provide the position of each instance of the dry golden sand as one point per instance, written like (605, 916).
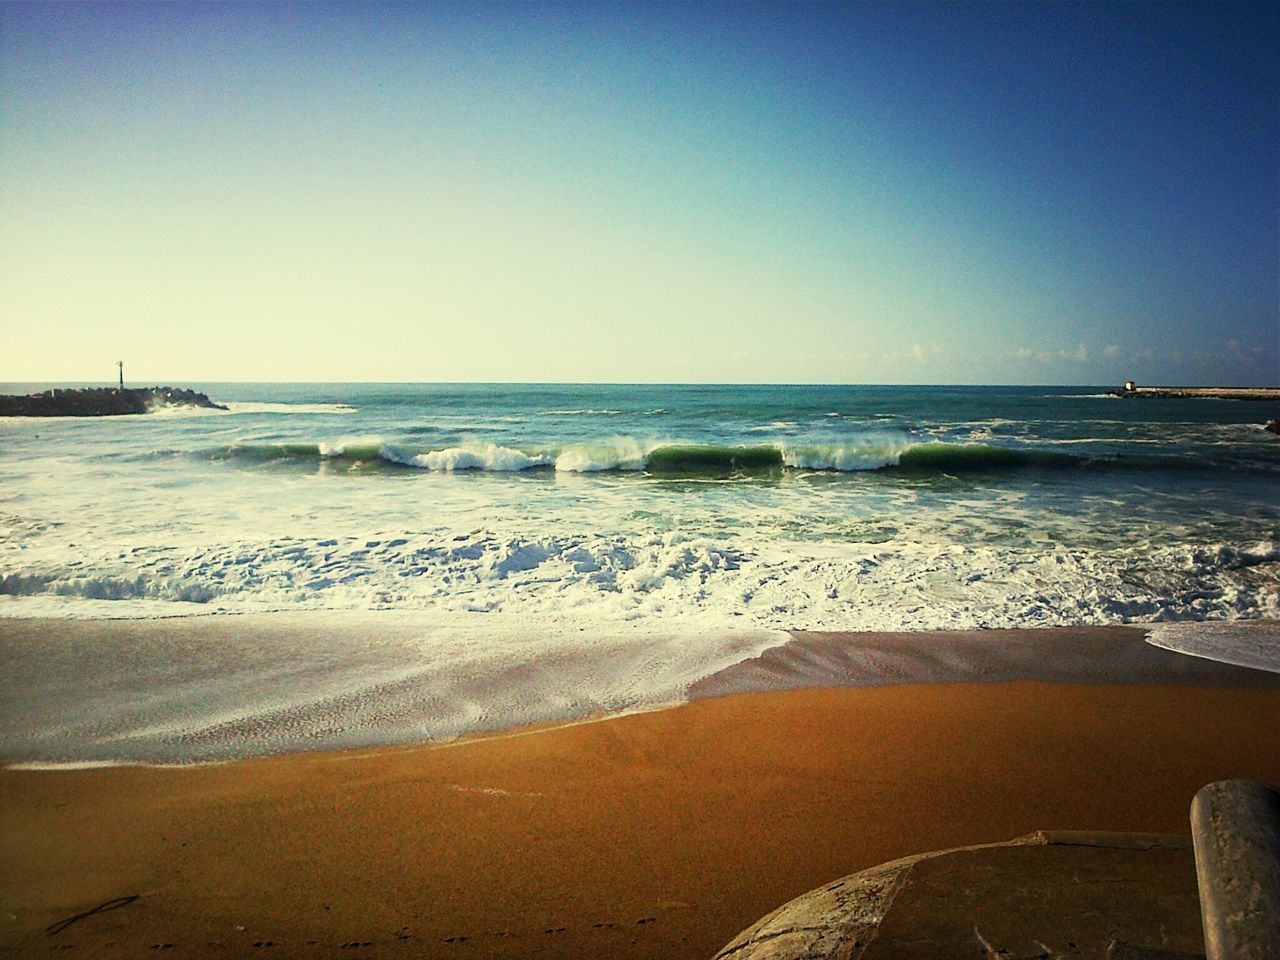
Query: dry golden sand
(651, 835)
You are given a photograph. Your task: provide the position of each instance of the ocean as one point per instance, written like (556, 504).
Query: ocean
(814, 507)
(436, 560)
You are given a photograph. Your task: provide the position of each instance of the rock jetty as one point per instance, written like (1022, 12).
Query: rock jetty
(1130, 392)
(102, 402)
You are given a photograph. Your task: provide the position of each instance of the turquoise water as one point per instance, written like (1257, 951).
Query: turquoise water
(774, 506)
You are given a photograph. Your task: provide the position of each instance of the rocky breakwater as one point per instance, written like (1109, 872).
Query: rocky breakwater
(102, 402)
(1256, 394)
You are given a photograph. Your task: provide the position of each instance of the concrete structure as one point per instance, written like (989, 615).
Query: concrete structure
(1051, 894)
(1057, 894)
(1235, 825)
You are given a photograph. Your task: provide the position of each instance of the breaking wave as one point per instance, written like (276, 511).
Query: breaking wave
(881, 453)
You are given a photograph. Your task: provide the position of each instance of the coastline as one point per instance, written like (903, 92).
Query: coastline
(659, 833)
(207, 689)
(215, 688)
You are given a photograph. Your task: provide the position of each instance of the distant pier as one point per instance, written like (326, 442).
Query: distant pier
(1129, 391)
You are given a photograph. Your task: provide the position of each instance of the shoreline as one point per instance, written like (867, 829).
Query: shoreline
(657, 834)
(177, 693)
(173, 690)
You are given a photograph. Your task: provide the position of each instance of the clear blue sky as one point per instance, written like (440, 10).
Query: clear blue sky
(1039, 193)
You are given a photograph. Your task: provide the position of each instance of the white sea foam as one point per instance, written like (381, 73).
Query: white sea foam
(181, 410)
(1253, 643)
(175, 411)
(407, 636)
(332, 681)
(480, 456)
(861, 456)
(234, 406)
(618, 453)
(619, 578)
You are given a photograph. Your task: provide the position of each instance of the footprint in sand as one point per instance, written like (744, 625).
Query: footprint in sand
(454, 939)
(646, 920)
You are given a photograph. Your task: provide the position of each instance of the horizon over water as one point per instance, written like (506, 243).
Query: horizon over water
(511, 522)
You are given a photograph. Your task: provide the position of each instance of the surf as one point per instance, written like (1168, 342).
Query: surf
(886, 454)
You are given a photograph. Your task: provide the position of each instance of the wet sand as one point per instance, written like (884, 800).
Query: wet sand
(659, 834)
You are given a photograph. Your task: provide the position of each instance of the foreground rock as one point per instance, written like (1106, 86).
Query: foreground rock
(102, 402)
(1045, 895)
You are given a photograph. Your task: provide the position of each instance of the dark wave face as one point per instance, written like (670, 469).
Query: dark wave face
(709, 461)
(695, 460)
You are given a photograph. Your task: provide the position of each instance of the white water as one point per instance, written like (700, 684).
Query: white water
(1245, 644)
(620, 578)
(236, 686)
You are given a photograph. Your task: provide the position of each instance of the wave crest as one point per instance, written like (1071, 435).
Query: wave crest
(620, 453)
(877, 451)
(482, 456)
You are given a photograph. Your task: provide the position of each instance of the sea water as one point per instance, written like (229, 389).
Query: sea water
(785, 507)
(459, 558)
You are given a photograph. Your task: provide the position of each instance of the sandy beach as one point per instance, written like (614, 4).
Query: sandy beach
(656, 834)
